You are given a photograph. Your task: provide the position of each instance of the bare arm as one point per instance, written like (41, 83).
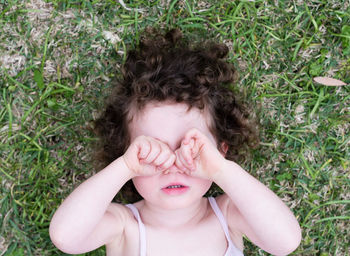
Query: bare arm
(263, 217)
(252, 208)
(84, 222)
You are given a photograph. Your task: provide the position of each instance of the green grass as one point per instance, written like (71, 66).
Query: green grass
(56, 68)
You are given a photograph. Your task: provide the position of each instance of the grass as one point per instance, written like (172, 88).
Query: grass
(57, 62)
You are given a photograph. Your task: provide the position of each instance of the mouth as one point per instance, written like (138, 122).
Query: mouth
(175, 189)
(174, 186)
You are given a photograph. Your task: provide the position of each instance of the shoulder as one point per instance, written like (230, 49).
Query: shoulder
(124, 244)
(121, 212)
(125, 216)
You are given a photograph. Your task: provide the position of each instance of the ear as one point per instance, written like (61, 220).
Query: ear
(223, 148)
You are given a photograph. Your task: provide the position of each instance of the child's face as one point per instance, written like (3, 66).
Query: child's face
(169, 122)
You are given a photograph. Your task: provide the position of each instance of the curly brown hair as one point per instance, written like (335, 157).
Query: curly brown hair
(164, 68)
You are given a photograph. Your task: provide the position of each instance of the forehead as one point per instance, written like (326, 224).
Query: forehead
(168, 121)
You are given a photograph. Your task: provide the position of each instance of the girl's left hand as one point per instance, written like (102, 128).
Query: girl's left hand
(198, 156)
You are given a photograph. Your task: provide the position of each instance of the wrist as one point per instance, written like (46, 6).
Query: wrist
(124, 168)
(226, 167)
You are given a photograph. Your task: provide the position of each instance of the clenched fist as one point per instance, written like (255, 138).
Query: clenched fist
(148, 156)
(198, 155)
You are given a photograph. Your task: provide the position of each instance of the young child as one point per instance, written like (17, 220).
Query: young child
(172, 127)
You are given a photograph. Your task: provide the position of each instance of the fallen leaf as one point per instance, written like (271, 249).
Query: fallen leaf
(328, 81)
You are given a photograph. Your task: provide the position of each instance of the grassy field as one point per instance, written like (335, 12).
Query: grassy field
(58, 59)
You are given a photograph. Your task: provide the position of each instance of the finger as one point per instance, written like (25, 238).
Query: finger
(186, 153)
(195, 150)
(168, 163)
(180, 162)
(191, 134)
(144, 149)
(163, 156)
(197, 139)
(155, 151)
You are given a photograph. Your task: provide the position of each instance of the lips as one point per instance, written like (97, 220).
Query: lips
(175, 189)
(174, 186)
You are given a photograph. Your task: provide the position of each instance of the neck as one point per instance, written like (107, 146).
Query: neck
(175, 218)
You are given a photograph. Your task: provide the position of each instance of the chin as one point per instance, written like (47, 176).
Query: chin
(180, 202)
(176, 204)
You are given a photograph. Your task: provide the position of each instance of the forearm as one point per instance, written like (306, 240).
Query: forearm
(268, 217)
(82, 210)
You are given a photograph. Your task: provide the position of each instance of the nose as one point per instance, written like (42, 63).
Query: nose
(173, 169)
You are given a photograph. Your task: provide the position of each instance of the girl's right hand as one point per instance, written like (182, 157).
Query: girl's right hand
(148, 156)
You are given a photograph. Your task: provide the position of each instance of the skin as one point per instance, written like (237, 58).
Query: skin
(170, 144)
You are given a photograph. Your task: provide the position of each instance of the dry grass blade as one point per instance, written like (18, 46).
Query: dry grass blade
(328, 81)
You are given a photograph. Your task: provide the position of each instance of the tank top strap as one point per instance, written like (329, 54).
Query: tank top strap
(220, 216)
(142, 229)
(231, 250)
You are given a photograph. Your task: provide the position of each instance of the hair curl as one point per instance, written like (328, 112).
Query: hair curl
(164, 68)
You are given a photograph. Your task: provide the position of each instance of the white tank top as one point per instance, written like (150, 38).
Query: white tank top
(231, 249)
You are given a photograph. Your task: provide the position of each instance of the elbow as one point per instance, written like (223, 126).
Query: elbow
(294, 240)
(61, 241)
(58, 240)
(288, 248)
(284, 242)
(290, 243)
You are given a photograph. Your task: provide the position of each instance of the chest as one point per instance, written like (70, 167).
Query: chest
(207, 238)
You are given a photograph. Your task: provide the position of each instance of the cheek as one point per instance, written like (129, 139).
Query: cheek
(203, 185)
(144, 185)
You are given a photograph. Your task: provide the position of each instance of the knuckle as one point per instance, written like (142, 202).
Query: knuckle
(146, 147)
(168, 152)
(170, 160)
(173, 157)
(180, 164)
(158, 161)
(158, 148)
(141, 138)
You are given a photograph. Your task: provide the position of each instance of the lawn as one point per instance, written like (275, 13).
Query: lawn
(57, 63)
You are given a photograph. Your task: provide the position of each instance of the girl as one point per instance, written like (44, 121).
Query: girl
(171, 129)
